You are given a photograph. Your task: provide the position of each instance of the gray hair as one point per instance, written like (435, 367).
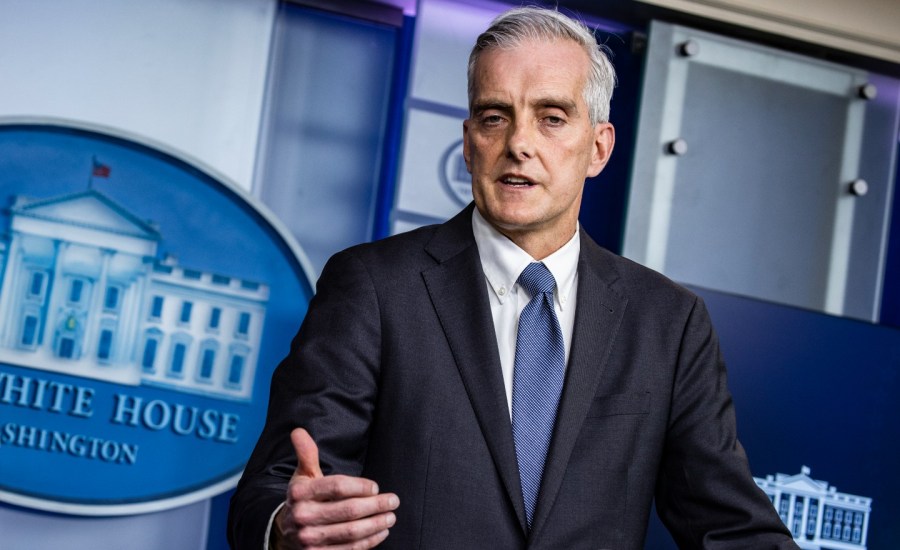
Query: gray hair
(518, 25)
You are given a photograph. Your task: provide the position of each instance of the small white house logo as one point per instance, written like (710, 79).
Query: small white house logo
(818, 516)
(130, 380)
(454, 175)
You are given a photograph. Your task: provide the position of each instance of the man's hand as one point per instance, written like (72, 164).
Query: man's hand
(334, 512)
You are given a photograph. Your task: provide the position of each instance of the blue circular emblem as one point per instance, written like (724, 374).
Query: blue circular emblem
(454, 176)
(144, 304)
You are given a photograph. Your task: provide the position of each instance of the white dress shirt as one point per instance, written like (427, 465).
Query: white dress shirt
(503, 261)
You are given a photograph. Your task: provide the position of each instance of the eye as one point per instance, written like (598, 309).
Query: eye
(554, 120)
(491, 120)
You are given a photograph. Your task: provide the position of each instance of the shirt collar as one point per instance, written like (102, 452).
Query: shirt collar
(503, 261)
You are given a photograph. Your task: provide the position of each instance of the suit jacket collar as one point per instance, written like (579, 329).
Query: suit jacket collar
(459, 295)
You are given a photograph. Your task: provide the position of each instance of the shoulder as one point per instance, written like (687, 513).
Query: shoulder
(639, 285)
(394, 253)
(417, 249)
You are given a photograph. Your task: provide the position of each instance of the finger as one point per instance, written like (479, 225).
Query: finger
(368, 542)
(311, 512)
(331, 488)
(307, 454)
(348, 532)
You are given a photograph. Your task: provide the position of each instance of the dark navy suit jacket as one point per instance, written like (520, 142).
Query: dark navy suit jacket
(396, 375)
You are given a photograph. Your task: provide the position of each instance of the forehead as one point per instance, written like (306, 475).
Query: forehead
(530, 66)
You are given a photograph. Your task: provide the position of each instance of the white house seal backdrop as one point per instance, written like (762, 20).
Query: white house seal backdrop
(143, 306)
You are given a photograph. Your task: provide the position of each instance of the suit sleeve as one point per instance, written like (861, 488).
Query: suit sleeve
(327, 384)
(705, 493)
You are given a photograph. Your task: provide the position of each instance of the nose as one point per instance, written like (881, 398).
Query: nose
(520, 141)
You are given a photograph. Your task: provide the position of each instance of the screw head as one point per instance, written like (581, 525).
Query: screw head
(867, 91)
(859, 187)
(677, 147)
(689, 48)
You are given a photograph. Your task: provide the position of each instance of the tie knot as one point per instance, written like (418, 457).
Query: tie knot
(537, 279)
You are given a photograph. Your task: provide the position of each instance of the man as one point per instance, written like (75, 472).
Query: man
(453, 402)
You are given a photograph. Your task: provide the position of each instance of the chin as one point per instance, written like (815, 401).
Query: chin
(512, 223)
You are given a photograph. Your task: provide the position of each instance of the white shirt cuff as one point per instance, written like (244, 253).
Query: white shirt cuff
(269, 527)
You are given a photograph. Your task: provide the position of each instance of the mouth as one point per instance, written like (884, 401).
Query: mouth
(516, 181)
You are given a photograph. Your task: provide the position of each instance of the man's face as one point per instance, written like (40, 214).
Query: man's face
(529, 143)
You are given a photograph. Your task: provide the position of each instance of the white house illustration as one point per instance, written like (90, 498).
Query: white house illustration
(83, 292)
(818, 516)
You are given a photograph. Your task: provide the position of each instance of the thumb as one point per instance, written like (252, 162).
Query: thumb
(307, 454)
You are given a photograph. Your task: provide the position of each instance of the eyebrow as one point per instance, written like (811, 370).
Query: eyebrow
(488, 104)
(565, 104)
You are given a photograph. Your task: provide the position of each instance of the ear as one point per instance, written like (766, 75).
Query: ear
(466, 149)
(604, 141)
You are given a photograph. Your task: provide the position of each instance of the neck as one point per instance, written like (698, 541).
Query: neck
(539, 246)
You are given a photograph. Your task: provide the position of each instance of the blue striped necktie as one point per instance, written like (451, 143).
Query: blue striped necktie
(537, 380)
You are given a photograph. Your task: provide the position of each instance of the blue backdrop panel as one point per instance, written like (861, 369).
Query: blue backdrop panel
(818, 391)
(327, 120)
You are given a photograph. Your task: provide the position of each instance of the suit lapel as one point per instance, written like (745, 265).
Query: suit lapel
(463, 310)
(598, 314)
